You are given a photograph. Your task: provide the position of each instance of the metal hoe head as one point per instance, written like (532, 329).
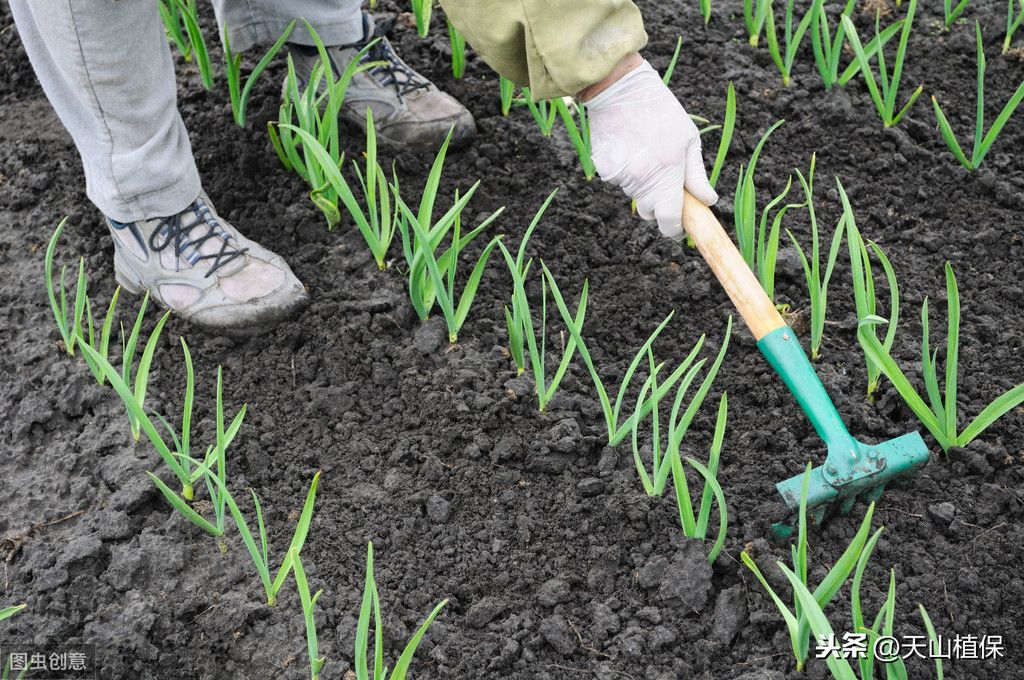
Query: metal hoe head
(852, 468)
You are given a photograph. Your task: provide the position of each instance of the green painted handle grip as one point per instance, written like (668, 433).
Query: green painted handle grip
(787, 357)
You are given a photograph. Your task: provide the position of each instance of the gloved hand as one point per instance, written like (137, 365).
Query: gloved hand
(644, 142)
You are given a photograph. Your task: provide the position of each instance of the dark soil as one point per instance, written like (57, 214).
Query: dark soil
(554, 562)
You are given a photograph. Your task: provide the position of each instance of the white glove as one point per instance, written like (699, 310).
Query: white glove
(644, 142)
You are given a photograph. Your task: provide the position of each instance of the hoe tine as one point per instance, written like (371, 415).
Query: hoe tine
(872, 495)
(851, 469)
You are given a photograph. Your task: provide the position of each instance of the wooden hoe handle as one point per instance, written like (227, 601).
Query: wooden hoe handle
(732, 271)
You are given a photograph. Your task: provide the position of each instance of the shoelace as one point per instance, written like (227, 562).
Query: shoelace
(393, 66)
(171, 230)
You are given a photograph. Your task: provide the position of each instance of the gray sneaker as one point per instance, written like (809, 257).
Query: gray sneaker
(200, 267)
(408, 110)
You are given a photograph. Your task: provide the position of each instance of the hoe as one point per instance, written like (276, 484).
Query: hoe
(851, 467)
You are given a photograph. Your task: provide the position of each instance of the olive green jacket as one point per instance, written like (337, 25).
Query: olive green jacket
(556, 47)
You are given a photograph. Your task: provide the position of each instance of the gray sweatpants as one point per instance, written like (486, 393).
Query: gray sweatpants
(106, 68)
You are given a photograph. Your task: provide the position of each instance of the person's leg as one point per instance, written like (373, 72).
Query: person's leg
(107, 71)
(106, 68)
(248, 22)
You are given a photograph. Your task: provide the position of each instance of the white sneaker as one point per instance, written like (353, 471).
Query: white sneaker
(408, 110)
(199, 266)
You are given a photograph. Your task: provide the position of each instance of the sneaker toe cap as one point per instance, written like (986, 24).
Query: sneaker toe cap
(263, 292)
(249, 317)
(257, 280)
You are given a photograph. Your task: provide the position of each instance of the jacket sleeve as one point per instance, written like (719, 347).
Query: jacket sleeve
(556, 47)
